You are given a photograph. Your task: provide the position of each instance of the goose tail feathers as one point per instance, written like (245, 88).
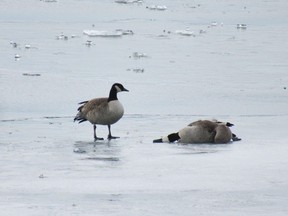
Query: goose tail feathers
(79, 118)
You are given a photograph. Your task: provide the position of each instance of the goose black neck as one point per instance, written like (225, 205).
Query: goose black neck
(112, 95)
(173, 137)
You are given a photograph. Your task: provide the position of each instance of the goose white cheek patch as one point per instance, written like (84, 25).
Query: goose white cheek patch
(118, 89)
(165, 139)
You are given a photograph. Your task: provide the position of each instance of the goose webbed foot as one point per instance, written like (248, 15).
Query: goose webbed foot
(98, 138)
(235, 138)
(112, 137)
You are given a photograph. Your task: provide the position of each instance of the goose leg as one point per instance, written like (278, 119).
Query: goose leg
(95, 137)
(110, 135)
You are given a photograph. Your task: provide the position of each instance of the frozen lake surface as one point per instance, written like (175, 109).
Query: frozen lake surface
(184, 63)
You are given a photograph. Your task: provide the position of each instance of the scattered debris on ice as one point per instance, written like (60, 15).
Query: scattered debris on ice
(125, 32)
(17, 45)
(27, 46)
(42, 176)
(241, 26)
(186, 32)
(136, 70)
(62, 37)
(139, 55)
(17, 56)
(157, 7)
(162, 36)
(165, 31)
(104, 33)
(129, 1)
(202, 31)
(99, 33)
(31, 74)
(79, 151)
(75, 36)
(89, 43)
(215, 24)
(192, 6)
(49, 1)
(14, 44)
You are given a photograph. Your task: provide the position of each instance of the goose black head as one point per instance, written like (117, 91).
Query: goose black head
(116, 87)
(170, 138)
(119, 87)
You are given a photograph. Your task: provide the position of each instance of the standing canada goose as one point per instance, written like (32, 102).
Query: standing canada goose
(103, 111)
(202, 131)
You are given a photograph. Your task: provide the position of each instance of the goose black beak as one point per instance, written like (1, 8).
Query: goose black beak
(228, 124)
(124, 89)
(158, 141)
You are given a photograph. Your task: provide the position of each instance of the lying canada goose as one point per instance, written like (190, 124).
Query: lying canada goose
(103, 111)
(202, 131)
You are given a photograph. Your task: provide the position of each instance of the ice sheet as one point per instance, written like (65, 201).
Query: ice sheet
(51, 166)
